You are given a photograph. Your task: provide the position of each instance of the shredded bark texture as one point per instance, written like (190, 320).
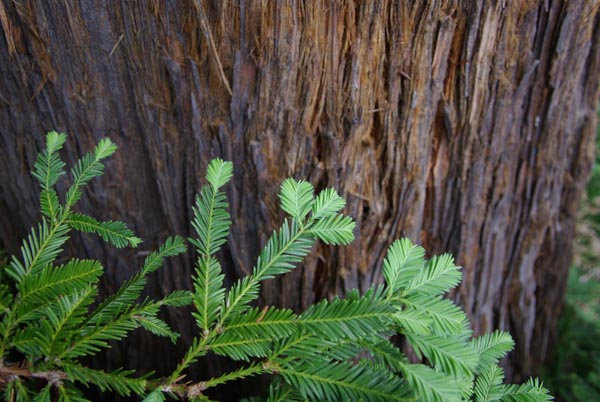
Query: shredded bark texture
(467, 126)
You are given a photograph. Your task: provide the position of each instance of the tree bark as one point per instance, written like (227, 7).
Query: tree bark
(467, 126)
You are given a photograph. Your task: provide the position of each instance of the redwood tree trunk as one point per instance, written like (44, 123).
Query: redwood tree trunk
(467, 126)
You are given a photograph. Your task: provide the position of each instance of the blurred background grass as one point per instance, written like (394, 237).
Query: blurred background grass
(574, 373)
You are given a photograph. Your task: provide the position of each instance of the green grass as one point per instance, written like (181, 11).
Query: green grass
(574, 375)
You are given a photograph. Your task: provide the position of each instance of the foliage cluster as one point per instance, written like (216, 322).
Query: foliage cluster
(337, 349)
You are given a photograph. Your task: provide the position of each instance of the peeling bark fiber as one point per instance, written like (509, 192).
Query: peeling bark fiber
(467, 126)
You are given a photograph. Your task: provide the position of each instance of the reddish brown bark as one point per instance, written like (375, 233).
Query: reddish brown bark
(466, 126)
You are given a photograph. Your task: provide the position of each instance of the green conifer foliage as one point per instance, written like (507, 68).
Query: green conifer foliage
(336, 350)
(47, 321)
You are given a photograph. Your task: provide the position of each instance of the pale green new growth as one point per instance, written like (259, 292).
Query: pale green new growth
(336, 350)
(491, 347)
(438, 276)
(87, 168)
(327, 203)
(402, 262)
(488, 387)
(296, 198)
(211, 222)
(114, 232)
(48, 169)
(219, 173)
(531, 391)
